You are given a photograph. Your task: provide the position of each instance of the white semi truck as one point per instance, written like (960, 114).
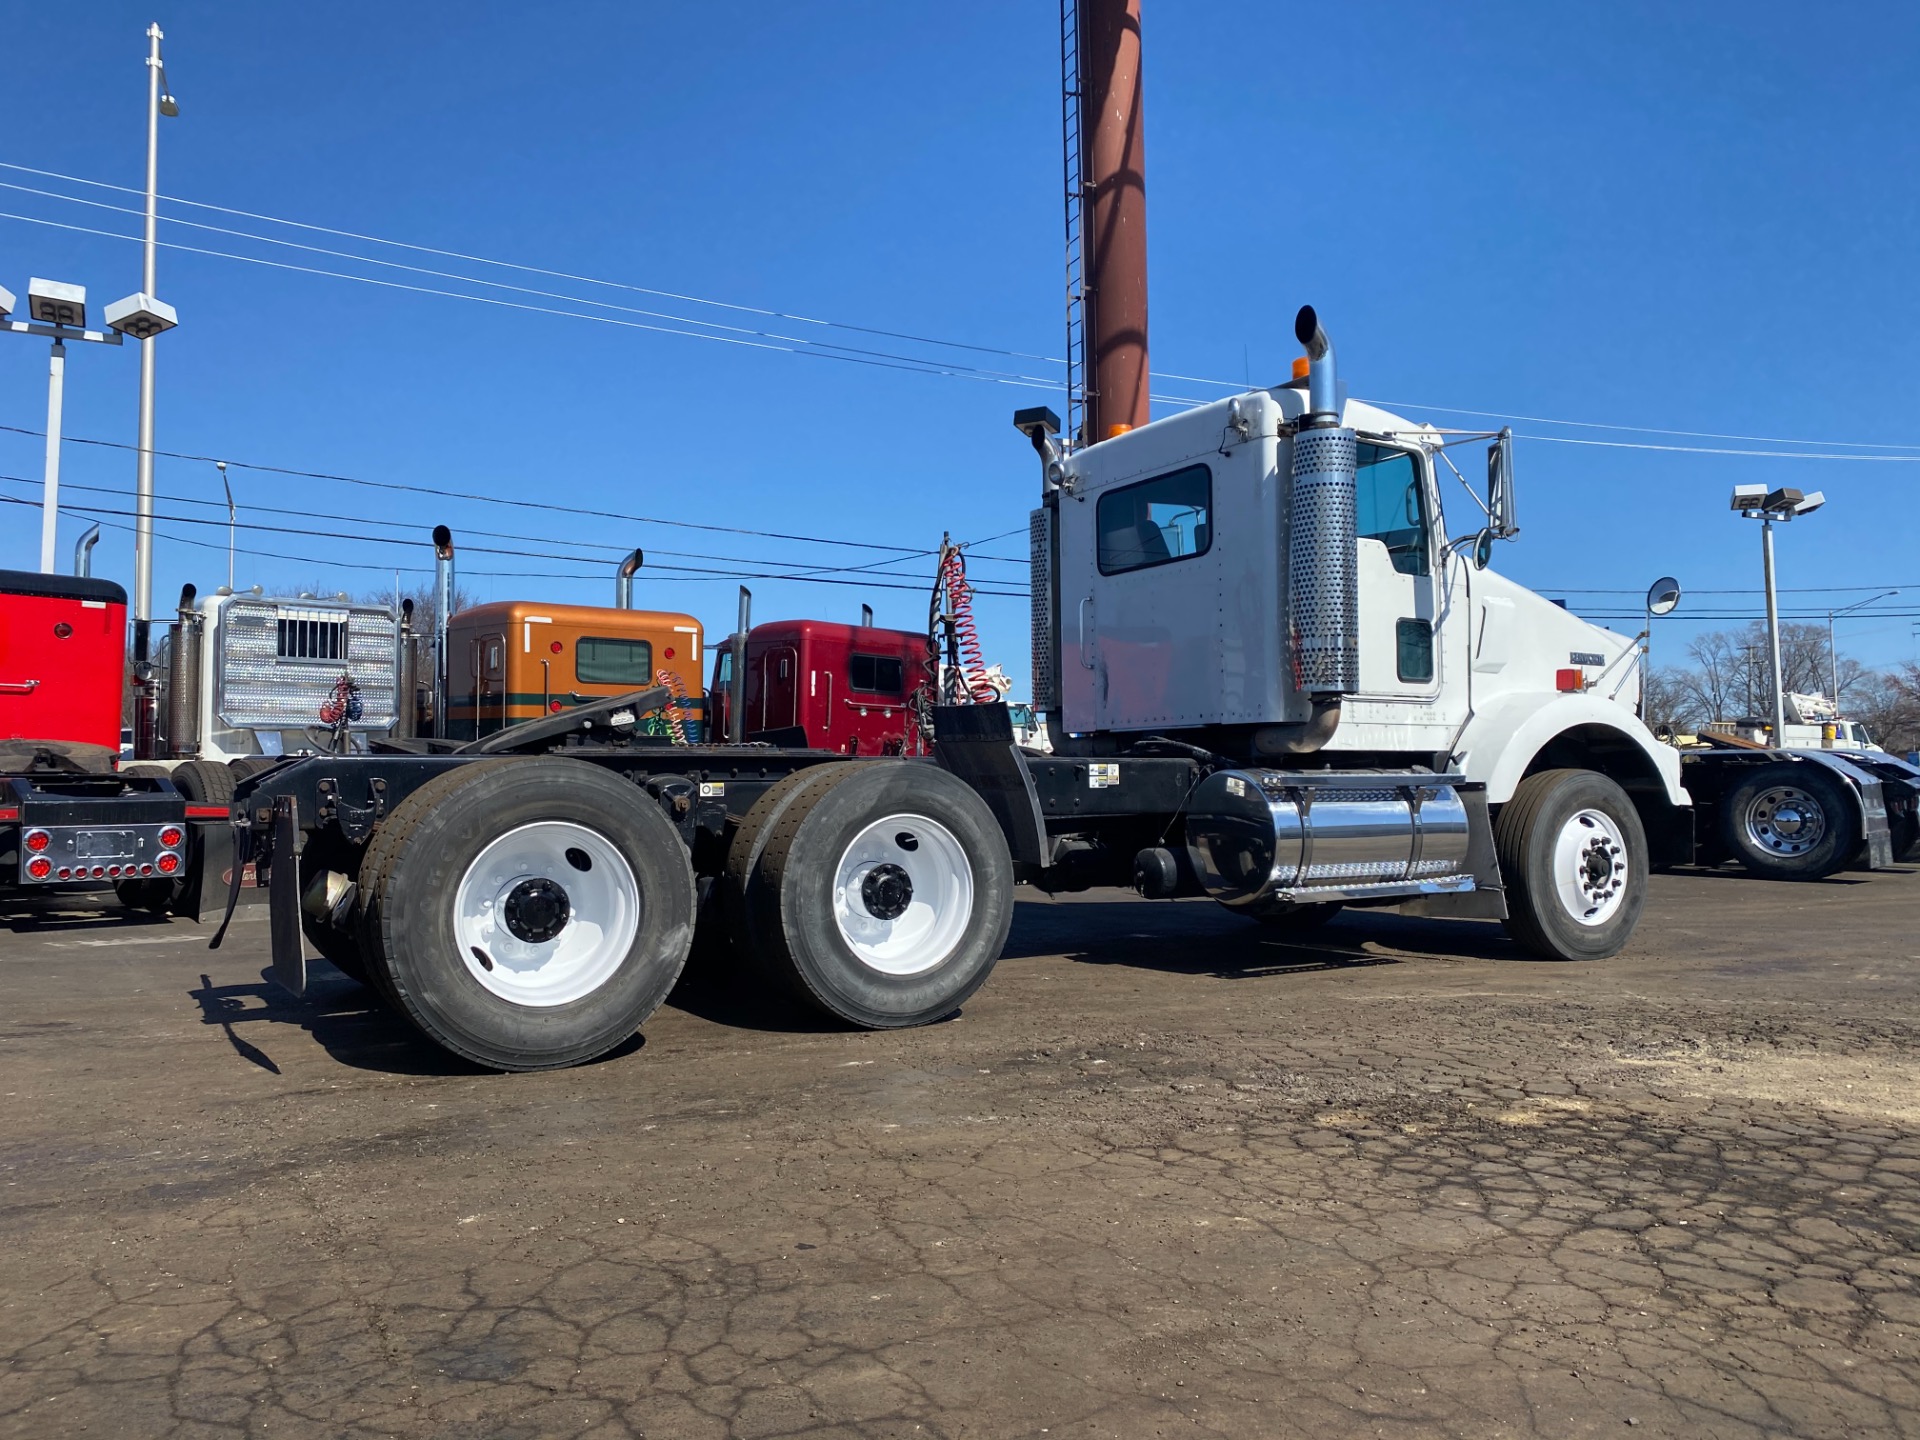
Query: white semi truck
(1269, 675)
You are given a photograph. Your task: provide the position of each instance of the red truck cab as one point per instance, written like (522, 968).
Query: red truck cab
(814, 683)
(63, 645)
(67, 817)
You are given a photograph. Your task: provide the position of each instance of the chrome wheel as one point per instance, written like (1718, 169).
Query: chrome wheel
(1785, 820)
(1590, 867)
(546, 913)
(902, 894)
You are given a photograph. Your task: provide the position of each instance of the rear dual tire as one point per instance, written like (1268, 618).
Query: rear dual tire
(878, 892)
(526, 914)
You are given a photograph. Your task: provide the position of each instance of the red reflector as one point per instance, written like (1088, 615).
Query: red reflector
(38, 840)
(168, 862)
(669, 652)
(171, 837)
(206, 812)
(40, 867)
(65, 872)
(11, 812)
(554, 706)
(1569, 680)
(113, 869)
(146, 869)
(98, 871)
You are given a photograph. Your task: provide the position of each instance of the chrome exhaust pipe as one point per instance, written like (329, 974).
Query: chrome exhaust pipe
(1323, 390)
(83, 551)
(1323, 566)
(442, 607)
(623, 580)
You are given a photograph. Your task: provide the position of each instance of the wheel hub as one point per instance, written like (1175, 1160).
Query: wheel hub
(886, 891)
(1784, 821)
(536, 911)
(1590, 867)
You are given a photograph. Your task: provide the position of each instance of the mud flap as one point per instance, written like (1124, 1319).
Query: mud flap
(975, 742)
(283, 895)
(214, 866)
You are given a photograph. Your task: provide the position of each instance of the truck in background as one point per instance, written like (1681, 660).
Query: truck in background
(517, 660)
(68, 818)
(826, 686)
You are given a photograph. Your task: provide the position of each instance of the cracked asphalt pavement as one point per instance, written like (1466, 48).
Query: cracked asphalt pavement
(1168, 1175)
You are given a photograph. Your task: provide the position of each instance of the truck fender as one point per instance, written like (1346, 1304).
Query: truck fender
(1869, 802)
(1502, 738)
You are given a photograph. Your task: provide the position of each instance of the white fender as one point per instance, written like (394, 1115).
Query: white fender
(1502, 738)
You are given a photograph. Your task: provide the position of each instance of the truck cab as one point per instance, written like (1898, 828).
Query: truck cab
(517, 660)
(826, 686)
(1188, 566)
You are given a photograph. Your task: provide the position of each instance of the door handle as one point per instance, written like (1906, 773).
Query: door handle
(1086, 633)
(18, 687)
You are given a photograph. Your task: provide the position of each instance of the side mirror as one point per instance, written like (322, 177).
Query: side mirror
(1500, 512)
(1664, 596)
(1483, 550)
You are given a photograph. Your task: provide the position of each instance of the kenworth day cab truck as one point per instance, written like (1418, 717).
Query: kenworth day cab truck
(1269, 675)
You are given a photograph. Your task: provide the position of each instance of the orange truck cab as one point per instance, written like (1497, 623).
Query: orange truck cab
(828, 686)
(516, 660)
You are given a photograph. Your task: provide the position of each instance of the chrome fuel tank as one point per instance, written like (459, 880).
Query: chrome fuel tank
(1261, 837)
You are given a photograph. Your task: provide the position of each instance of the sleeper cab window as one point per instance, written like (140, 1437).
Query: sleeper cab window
(1157, 521)
(599, 660)
(877, 674)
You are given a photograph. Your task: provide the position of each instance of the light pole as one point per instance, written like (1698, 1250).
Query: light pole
(1756, 502)
(59, 312)
(160, 102)
(1833, 660)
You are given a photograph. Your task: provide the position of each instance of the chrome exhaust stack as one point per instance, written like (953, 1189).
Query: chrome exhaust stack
(442, 607)
(1323, 570)
(83, 551)
(623, 580)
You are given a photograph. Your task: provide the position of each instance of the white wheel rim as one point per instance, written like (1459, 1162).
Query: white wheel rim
(869, 878)
(506, 888)
(1590, 867)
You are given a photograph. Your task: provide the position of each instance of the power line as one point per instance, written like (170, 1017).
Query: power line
(677, 571)
(905, 551)
(879, 359)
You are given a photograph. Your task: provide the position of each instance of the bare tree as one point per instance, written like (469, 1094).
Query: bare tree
(1668, 701)
(1719, 682)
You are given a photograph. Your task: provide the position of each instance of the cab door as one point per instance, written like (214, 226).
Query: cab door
(490, 671)
(779, 688)
(1408, 589)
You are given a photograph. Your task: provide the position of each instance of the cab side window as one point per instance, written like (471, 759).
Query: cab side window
(1391, 508)
(1155, 522)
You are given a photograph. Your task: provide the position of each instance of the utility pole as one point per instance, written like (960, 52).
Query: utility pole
(1113, 216)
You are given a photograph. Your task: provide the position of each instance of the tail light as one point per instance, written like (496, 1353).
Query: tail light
(99, 872)
(171, 837)
(167, 862)
(37, 840)
(113, 869)
(40, 867)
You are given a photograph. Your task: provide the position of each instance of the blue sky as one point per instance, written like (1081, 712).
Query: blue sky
(1689, 218)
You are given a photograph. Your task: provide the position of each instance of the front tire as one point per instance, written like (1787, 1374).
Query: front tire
(884, 895)
(1789, 820)
(528, 914)
(1573, 857)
